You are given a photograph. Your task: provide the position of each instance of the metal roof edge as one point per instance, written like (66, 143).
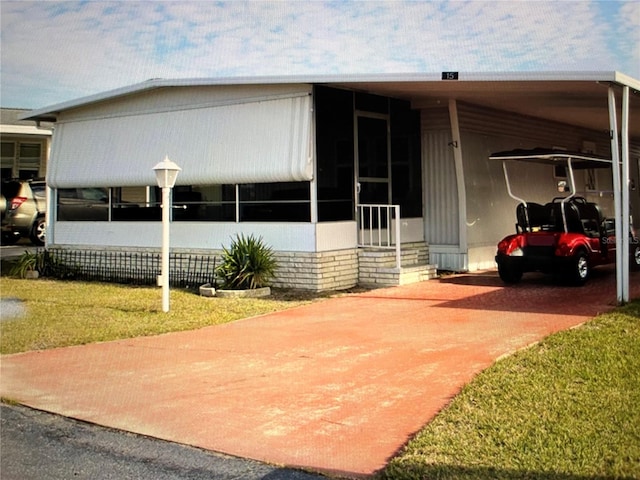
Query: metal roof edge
(628, 81)
(49, 113)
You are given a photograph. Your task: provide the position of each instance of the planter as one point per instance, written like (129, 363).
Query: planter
(207, 290)
(251, 293)
(31, 274)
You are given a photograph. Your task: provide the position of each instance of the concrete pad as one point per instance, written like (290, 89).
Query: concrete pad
(338, 386)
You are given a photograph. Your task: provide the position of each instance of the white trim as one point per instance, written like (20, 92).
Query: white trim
(464, 77)
(25, 130)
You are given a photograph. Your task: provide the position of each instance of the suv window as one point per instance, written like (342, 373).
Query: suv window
(83, 204)
(39, 189)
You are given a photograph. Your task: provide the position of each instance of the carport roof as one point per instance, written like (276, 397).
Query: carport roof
(575, 98)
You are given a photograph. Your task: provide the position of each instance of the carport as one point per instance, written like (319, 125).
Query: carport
(587, 99)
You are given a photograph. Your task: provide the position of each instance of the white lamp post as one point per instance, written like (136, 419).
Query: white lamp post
(166, 174)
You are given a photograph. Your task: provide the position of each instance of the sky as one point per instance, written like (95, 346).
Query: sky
(54, 51)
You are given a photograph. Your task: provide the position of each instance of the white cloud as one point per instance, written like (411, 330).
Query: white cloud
(54, 51)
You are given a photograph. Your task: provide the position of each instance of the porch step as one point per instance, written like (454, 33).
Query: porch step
(377, 267)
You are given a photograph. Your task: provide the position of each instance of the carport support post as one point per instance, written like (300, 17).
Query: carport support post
(625, 194)
(615, 165)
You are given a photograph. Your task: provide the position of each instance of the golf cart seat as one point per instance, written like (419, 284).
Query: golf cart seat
(530, 216)
(591, 217)
(571, 213)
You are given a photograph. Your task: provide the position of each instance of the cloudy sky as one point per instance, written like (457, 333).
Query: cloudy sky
(53, 51)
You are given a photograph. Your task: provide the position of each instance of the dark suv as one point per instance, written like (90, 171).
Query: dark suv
(25, 211)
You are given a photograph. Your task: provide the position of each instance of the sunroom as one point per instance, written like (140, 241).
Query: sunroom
(295, 164)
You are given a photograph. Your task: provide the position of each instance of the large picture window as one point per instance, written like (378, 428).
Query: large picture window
(256, 202)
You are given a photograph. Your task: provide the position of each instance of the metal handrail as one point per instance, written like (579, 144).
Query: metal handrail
(379, 227)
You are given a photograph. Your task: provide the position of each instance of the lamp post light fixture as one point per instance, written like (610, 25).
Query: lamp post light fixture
(166, 174)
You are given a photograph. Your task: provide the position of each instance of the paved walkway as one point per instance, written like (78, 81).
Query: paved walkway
(337, 386)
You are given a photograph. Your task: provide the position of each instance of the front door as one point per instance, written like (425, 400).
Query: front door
(372, 159)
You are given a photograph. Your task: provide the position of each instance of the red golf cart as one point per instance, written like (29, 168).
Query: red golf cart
(567, 236)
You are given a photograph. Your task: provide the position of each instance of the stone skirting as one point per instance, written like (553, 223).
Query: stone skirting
(321, 271)
(377, 267)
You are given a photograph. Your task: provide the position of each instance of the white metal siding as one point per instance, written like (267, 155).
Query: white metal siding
(256, 141)
(441, 192)
(541, 133)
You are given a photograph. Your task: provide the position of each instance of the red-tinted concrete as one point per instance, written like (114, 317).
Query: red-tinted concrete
(337, 386)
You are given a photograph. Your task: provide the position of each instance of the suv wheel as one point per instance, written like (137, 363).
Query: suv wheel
(579, 270)
(38, 232)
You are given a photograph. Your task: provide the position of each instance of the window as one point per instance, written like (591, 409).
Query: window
(29, 160)
(258, 202)
(83, 204)
(334, 148)
(207, 203)
(135, 204)
(406, 159)
(8, 153)
(275, 202)
(21, 159)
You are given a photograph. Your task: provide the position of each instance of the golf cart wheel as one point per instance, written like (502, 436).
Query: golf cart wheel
(508, 273)
(38, 232)
(634, 257)
(579, 270)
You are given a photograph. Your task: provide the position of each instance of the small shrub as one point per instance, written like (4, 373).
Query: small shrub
(28, 262)
(247, 264)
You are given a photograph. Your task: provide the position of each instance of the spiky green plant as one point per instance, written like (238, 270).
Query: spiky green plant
(28, 261)
(248, 263)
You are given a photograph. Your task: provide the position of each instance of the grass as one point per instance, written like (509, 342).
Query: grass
(567, 408)
(59, 313)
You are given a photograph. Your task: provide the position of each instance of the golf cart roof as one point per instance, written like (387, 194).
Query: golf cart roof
(550, 156)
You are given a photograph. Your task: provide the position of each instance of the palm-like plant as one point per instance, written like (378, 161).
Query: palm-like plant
(247, 264)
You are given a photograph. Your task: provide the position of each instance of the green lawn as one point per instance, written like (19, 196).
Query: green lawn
(63, 313)
(567, 408)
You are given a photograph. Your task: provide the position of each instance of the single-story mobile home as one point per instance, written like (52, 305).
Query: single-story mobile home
(374, 179)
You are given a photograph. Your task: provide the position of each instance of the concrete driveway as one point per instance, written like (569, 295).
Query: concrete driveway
(338, 386)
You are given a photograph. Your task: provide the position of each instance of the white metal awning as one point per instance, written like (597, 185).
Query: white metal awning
(266, 140)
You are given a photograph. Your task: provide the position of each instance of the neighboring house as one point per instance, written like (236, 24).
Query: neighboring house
(25, 146)
(299, 160)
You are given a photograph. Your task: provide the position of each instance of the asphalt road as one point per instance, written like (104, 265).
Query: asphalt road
(36, 445)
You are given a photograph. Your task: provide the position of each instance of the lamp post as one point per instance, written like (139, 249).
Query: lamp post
(166, 174)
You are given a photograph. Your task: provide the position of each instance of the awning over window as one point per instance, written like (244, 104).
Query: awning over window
(265, 140)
